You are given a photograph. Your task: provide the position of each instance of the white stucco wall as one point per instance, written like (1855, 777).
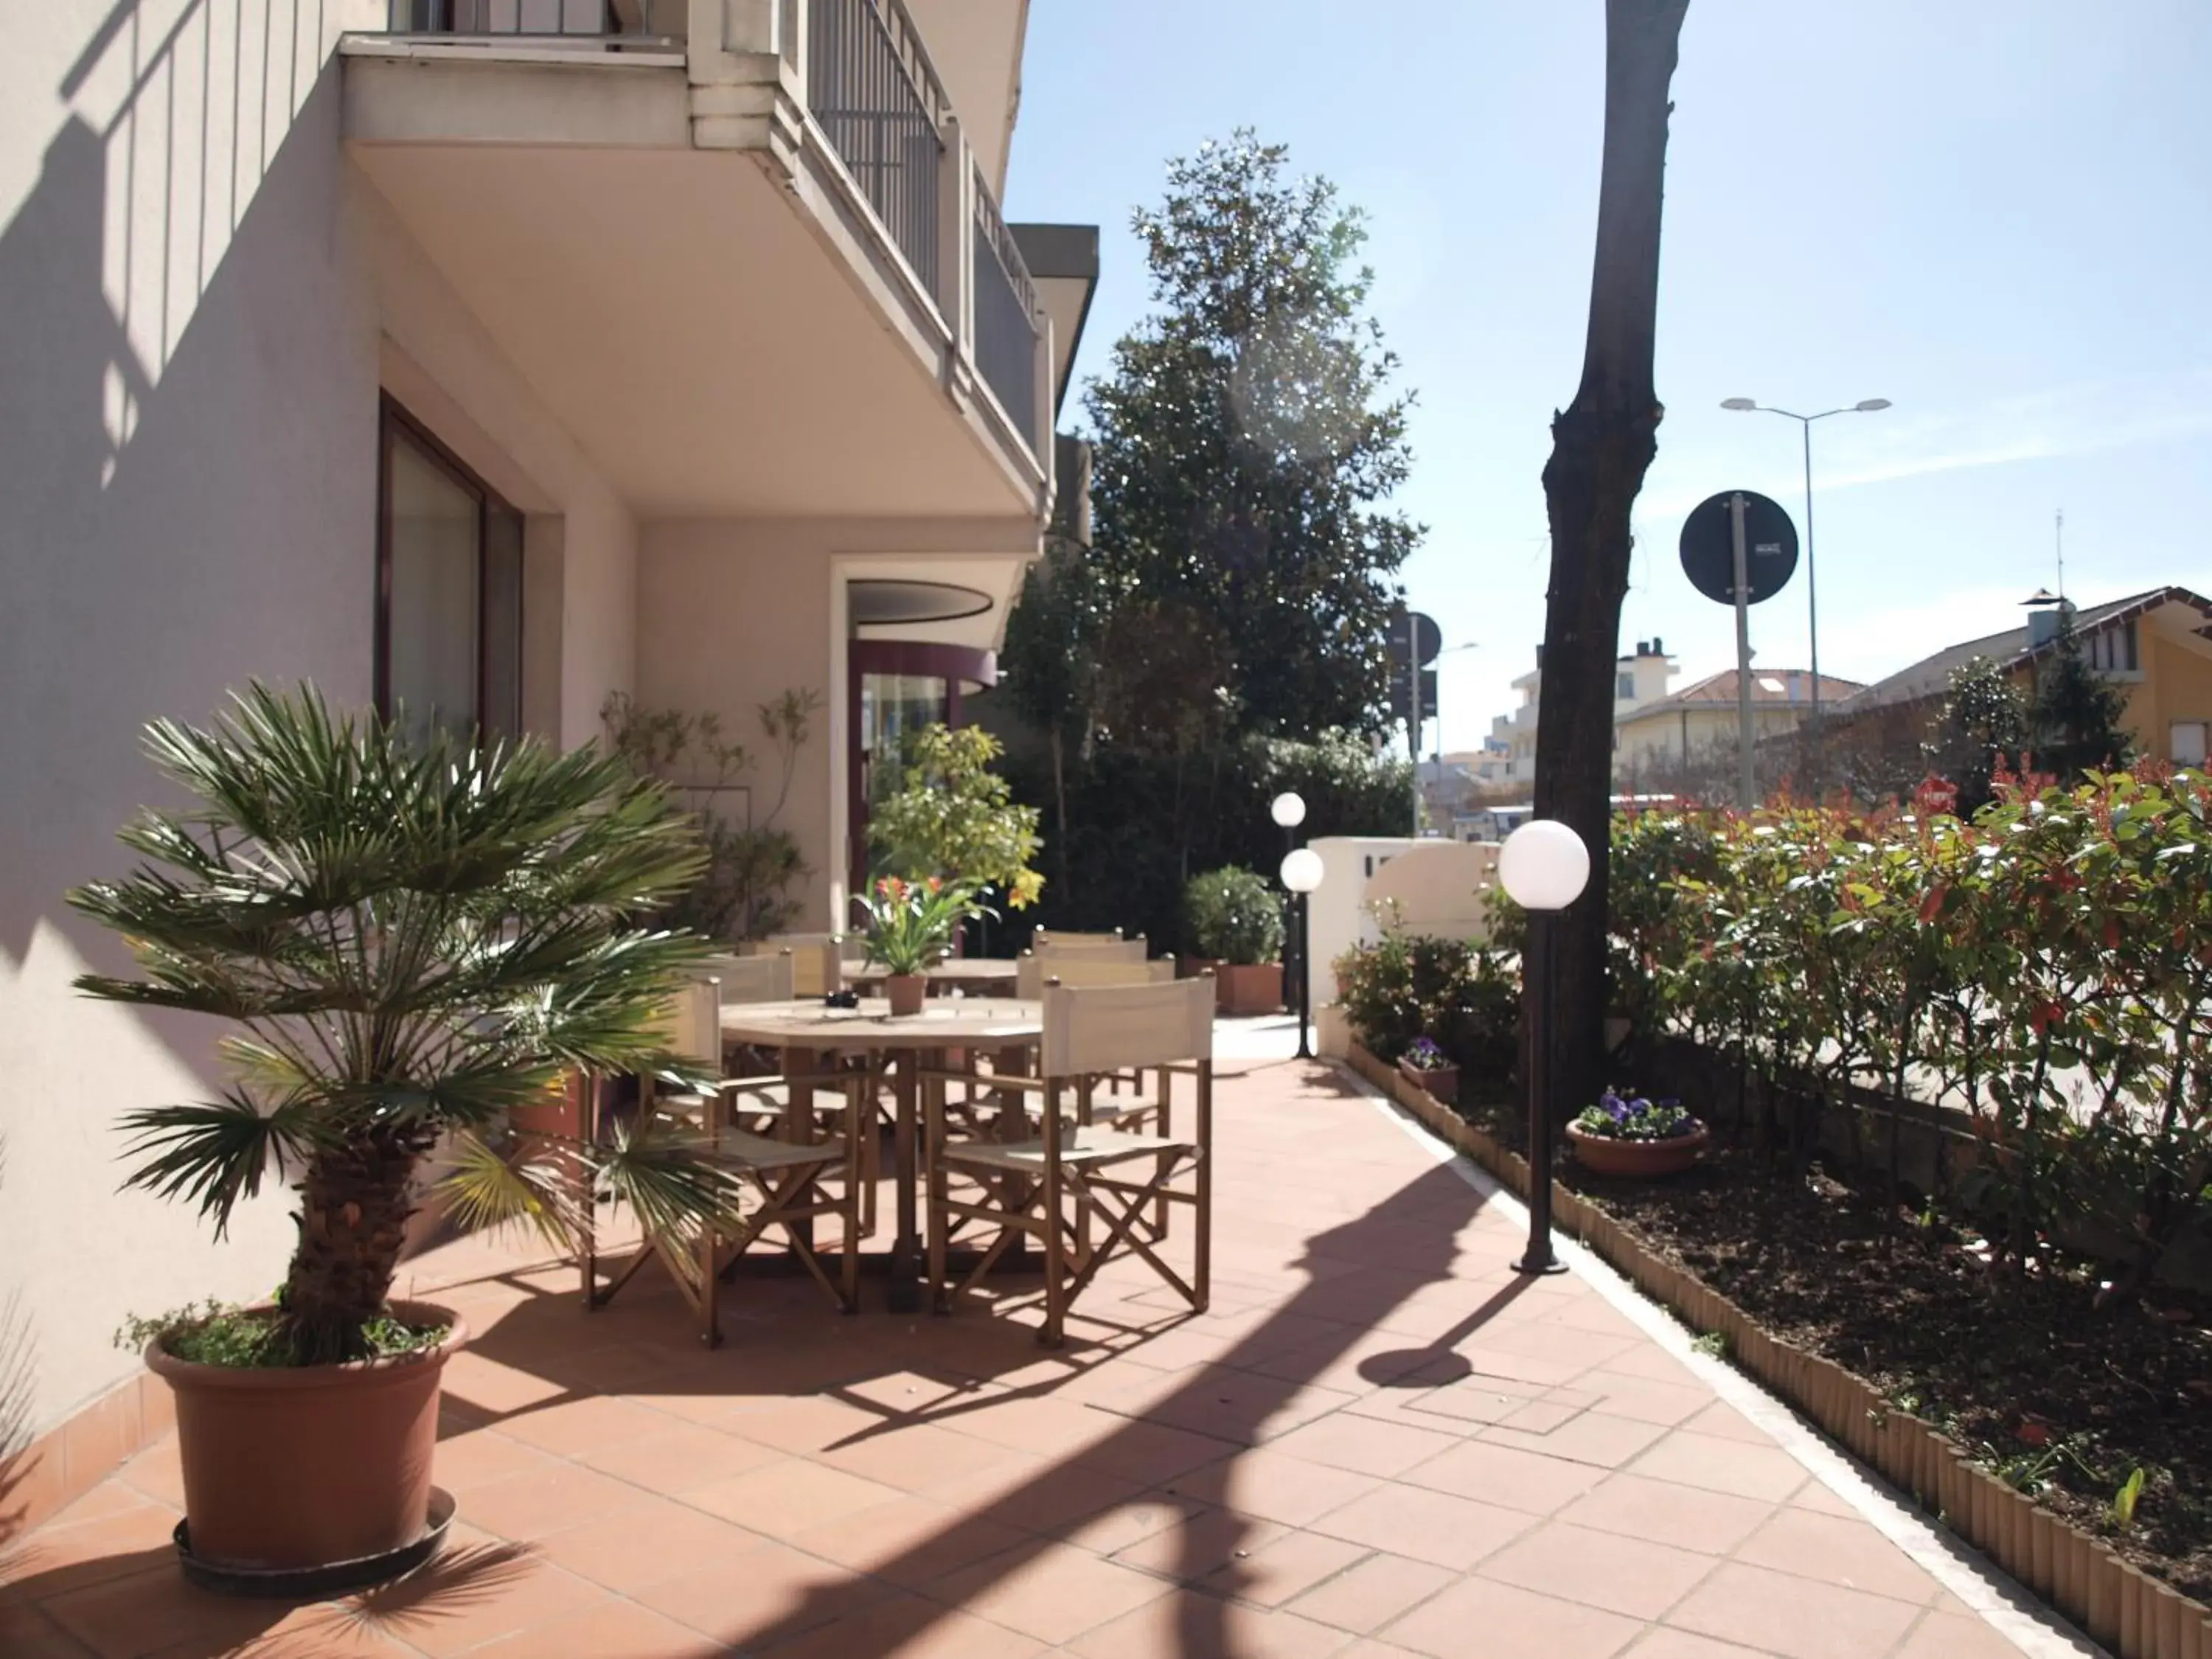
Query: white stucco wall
(732, 612)
(439, 360)
(187, 388)
(204, 296)
(731, 615)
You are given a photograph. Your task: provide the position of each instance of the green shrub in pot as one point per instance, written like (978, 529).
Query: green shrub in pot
(1234, 915)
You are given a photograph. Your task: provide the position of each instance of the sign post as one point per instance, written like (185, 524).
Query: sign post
(1739, 548)
(1747, 787)
(1414, 641)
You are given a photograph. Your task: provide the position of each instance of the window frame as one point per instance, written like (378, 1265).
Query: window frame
(396, 423)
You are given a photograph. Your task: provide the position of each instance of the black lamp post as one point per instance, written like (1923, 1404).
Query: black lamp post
(1301, 874)
(1289, 810)
(1544, 867)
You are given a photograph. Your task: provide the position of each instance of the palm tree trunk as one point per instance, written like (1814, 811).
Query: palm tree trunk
(355, 1201)
(1601, 446)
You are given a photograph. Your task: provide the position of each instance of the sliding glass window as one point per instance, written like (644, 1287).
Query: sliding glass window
(448, 589)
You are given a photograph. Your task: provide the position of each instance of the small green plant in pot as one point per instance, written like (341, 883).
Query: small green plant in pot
(1235, 920)
(910, 928)
(413, 938)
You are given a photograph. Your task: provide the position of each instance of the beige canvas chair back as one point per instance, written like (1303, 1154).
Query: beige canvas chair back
(1041, 940)
(1120, 950)
(691, 1022)
(1112, 1028)
(817, 967)
(1031, 971)
(755, 979)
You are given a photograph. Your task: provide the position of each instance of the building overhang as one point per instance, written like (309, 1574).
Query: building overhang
(1063, 262)
(727, 331)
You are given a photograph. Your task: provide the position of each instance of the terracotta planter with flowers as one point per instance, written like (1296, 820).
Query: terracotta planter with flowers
(1631, 1138)
(1427, 1066)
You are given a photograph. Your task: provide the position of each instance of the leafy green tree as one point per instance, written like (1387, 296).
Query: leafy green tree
(953, 817)
(1246, 435)
(1051, 666)
(1981, 731)
(2077, 720)
(414, 937)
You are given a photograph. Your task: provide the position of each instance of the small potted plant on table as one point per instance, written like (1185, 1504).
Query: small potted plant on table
(1627, 1134)
(1427, 1066)
(911, 926)
(417, 937)
(1236, 920)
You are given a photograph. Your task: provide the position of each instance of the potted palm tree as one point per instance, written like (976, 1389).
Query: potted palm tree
(412, 937)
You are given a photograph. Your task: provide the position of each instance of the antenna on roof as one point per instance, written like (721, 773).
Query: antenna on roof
(2059, 538)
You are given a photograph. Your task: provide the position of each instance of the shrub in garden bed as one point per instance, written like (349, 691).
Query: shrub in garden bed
(2045, 969)
(1464, 999)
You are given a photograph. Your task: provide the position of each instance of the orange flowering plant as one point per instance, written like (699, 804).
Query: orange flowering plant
(911, 924)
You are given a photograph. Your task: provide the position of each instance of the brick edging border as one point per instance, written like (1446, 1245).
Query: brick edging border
(2118, 1604)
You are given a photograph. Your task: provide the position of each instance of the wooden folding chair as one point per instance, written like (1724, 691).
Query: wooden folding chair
(1031, 974)
(817, 961)
(1120, 950)
(1060, 1184)
(753, 1104)
(810, 1169)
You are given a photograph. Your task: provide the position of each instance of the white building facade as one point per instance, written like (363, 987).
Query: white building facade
(496, 357)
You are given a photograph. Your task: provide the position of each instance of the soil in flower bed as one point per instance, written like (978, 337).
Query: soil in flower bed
(2060, 1397)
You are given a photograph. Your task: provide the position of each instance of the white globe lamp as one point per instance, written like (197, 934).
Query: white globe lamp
(1289, 809)
(1544, 866)
(1301, 872)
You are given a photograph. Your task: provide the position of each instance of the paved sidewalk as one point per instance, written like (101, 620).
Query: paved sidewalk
(1379, 1441)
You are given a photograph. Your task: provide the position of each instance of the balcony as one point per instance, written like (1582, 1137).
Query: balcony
(642, 192)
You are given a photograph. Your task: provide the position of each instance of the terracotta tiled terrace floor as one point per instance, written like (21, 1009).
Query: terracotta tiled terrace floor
(1379, 1441)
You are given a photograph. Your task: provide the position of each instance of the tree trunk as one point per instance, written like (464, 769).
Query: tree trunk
(1601, 446)
(353, 1206)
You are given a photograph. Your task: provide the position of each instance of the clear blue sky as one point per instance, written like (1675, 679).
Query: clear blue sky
(1996, 213)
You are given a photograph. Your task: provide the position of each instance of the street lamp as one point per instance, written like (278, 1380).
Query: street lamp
(1301, 873)
(1543, 867)
(1864, 406)
(1289, 810)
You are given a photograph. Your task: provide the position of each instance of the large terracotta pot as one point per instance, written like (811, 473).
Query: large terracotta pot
(306, 1467)
(1637, 1160)
(906, 992)
(1248, 989)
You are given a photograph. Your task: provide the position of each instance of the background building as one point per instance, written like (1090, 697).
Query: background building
(1640, 678)
(2157, 645)
(1661, 744)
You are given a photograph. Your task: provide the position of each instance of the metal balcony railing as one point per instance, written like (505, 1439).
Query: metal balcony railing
(872, 93)
(527, 19)
(1006, 343)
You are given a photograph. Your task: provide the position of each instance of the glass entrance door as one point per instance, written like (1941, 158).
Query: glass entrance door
(897, 686)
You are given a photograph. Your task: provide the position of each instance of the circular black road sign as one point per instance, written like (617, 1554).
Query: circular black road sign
(1770, 547)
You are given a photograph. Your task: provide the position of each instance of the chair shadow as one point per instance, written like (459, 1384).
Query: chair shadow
(1399, 1246)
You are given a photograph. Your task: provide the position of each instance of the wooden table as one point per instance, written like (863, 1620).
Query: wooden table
(991, 976)
(803, 1030)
